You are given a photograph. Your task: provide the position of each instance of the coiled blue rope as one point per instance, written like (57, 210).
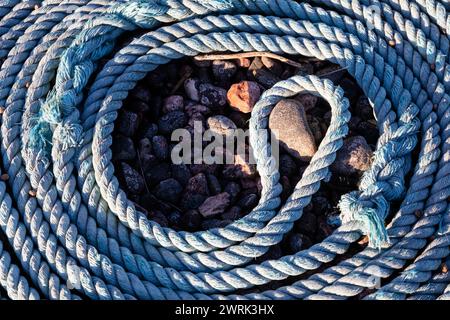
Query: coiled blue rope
(80, 234)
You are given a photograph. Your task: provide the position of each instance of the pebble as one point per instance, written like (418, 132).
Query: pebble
(307, 224)
(203, 167)
(168, 190)
(289, 125)
(172, 121)
(133, 180)
(249, 201)
(157, 173)
(191, 220)
(353, 158)
(160, 218)
(191, 87)
(128, 123)
(287, 165)
(174, 219)
(369, 131)
(248, 183)
(243, 96)
(308, 101)
(123, 149)
(223, 70)
(286, 184)
(139, 106)
(192, 109)
(213, 184)
(264, 77)
(233, 189)
(221, 125)
(212, 96)
(150, 131)
(363, 108)
(215, 205)
(181, 173)
(295, 242)
(316, 128)
(191, 200)
(173, 103)
(320, 205)
(197, 118)
(198, 184)
(160, 147)
(214, 223)
(351, 89)
(141, 93)
(145, 147)
(354, 122)
(233, 214)
(323, 231)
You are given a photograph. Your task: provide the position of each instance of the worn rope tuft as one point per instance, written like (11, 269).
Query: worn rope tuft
(69, 231)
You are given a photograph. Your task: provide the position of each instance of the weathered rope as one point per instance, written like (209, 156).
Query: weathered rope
(81, 229)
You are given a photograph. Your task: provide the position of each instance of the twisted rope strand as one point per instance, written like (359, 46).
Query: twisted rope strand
(81, 228)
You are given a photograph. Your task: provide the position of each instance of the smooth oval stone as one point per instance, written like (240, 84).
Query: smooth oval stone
(353, 158)
(221, 125)
(289, 126)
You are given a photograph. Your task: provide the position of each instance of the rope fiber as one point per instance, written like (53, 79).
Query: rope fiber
(68, 231)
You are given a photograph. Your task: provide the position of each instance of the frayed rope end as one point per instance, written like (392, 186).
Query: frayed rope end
(370, 212)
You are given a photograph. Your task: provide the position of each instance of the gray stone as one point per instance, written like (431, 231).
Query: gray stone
(363, 108)
(128, 123)
(233, 189)
(191, 88)
(234, 213)
(157, 173)
(168, 190)
(198, 184)
(181, 173)
(150, 131)
(133, 180)
(160, 147)
(287, 165)
(221, 125)
(212, 96)
(123, 149)
(289, 125)
(172, 121)
(307, 100)
(215, 205)
(214, 223)
(173, 103)
(249, 201)
(353, 158)
(191, 220)
(213, 184)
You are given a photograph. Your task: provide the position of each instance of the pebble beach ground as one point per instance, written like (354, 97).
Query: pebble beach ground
(220, 94)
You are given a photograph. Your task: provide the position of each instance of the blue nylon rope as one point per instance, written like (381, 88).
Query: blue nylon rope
(75, 232)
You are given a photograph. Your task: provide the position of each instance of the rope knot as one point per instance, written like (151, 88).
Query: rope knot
(370, 212)
(68, 135)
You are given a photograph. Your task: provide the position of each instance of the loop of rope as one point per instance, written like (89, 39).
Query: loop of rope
(73, 230)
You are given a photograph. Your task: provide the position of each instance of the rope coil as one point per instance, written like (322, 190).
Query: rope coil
(73, 233)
